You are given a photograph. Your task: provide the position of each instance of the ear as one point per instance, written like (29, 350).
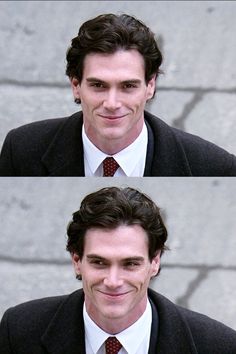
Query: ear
(75, 87)
(76, 263)
(151, 86)
(156, 262)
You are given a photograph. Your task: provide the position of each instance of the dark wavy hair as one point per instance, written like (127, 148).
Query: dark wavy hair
(108, 33)
(111, 207)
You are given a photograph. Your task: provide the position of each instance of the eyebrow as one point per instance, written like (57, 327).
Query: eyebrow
(130, 81)
(128, 259)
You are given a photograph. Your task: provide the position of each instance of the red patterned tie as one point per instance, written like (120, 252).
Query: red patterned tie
(109, 167)
(112, 345)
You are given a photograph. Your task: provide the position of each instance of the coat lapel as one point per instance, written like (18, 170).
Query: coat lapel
(65, 333)
(150, 151)
(173, 333)
(64, 156)
(154, 330)
(165, 153)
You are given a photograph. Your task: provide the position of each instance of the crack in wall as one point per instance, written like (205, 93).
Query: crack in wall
(30, 84)
(187, 109)
(209, 267)
(192, 286)
(35, 260)
(204, 90)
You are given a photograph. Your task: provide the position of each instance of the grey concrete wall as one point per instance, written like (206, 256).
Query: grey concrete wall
(199, 271)
(197, 93)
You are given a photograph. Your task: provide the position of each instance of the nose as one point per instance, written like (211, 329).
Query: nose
(113, 278)
(112, 100)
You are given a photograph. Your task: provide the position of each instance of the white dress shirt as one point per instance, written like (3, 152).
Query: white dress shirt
(135, 339)
(131, 160)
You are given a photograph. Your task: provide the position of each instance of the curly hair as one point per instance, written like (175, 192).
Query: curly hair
(111, 207)
(108, 33)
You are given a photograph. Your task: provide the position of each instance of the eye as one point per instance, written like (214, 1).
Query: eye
(97, 263)
(129, 86)
(132, 264)
(97, 85)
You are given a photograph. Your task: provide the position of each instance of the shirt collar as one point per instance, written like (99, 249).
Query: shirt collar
(94, 157)
(94, 334)
(131, 338)
(132, 159)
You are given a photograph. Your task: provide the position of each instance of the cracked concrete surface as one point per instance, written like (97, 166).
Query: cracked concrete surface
(196, 93)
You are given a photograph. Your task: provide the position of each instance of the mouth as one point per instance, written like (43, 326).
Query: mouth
(112, 117)
(114, 295)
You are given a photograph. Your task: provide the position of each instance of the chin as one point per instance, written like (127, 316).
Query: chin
(111, 133)
(112, 315)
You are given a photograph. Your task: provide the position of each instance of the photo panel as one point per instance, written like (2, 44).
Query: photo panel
(198, 271)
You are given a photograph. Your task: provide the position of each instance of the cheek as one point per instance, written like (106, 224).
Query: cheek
(92, 277)
(93, 98)
(138, 101)
(87, 284)
(141, 278)
(88, 98)
(86, 104)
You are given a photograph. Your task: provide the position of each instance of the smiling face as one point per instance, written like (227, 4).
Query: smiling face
(116, 272)
(113, 94)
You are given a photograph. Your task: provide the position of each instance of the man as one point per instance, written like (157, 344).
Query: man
(113, 65)
(116, 240)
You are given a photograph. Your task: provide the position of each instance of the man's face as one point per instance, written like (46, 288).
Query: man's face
(113, 94)
(116, 272)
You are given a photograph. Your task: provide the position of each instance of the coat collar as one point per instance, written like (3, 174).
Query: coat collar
(65, 332)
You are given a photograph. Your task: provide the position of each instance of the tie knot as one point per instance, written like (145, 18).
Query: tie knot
(112, 345)
(109, 167)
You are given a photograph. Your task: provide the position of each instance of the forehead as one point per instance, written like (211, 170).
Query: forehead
(122, 241)
(123, 64)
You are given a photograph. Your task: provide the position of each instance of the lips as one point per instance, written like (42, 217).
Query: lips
(114, 295)
(112, 117)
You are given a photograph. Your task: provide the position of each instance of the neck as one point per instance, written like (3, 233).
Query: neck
(116, 325)
(111, 145)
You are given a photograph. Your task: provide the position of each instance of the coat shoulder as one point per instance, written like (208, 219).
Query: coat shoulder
(211, 335)
(24, 147)
(33, 313)
(23, 325)
(43, 129)
(204, 158)
(208, 335)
